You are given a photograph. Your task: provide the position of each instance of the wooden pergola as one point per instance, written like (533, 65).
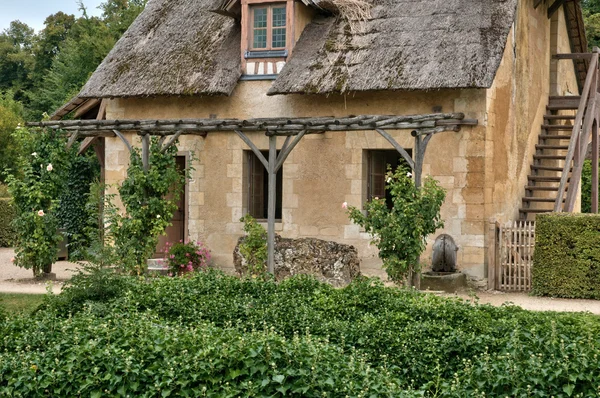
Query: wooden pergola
(423, 128)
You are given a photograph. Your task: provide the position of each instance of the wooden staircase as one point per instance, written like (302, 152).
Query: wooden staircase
(555, 173)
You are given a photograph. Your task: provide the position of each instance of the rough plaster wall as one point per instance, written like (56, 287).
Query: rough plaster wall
(516, 106)
(323, 171)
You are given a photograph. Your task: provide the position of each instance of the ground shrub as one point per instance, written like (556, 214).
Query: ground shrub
(141, 355)
(7, 214)
(438, 346)
(567, 256)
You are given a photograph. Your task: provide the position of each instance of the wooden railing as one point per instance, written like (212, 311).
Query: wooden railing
(586, 123)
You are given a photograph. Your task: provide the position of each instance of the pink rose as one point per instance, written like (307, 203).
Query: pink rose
(12, 260)
(40, 213)
(345, 205)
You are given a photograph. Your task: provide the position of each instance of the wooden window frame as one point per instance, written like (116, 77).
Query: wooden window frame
(252, 163)
(370, 153)
(269, 7)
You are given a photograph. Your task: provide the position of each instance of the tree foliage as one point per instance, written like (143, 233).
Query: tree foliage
(400, 232)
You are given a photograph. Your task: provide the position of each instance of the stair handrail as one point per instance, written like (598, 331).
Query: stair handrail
(585, 111)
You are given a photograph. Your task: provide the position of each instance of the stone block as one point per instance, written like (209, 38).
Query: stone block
(329, 231)
(234, 170)
(459, 165)
(353, 171)
(234, 199)
(290, 201)
(290, 171)
(476, 148)
(475, 212)
(196, 199)
(351, 231)
(473, 227)
(308, 230)
(236, 214)
(473, 195)
(475, 164)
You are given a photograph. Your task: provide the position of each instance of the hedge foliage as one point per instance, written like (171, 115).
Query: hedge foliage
(216, 335)
(567, 256)
(7, 214)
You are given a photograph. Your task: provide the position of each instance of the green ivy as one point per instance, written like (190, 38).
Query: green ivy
(7, 215)
(71, 213)
(399, 233)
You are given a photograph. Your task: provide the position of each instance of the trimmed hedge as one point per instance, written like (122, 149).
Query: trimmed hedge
(566, 262)
(300, 337)
(7, 214)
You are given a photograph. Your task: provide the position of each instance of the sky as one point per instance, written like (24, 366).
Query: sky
(34, 12)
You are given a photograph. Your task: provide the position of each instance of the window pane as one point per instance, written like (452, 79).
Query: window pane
(278, 16)
(278, 37)
(260, 17)
(260, 38)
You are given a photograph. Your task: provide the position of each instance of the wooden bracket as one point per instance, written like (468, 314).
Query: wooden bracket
(397, 146)
(256, 151)
(122, 137)
(171, 141)
(72, 139)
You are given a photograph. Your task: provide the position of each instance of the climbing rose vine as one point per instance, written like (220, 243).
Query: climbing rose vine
(35, 185)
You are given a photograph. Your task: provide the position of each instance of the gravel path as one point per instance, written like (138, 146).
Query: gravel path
(18, 280)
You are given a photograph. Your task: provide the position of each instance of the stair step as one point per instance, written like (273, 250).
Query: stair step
(534, 199)
(541, 146)
(557, 127)
(563, 106)
(544, 178)
(546, 168)
(561, 97)
(555, 137)
(563, 102)
(536, 211)
(555, 157)
(539, 188)
(559, 117)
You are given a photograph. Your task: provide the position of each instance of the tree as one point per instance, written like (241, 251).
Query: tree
(400, 232)
(16, 57)
(49, 41)
(11, 115)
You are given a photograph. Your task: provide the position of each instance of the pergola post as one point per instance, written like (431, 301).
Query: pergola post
(595, 167)
(271, 203)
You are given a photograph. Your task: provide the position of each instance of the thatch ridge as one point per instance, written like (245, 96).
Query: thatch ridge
(405, 45)
(175, 47)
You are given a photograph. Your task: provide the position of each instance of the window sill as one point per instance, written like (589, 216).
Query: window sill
(266, 54)
(278, 224)
(258, 77)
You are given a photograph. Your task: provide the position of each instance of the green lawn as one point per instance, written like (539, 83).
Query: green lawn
(19, 302)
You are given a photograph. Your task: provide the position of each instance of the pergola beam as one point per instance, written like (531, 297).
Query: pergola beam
(423, 127)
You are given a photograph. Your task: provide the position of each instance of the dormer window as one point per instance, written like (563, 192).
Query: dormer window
(269, 31)
(268, 28)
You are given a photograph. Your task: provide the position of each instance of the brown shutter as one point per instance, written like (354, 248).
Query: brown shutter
(256, 187)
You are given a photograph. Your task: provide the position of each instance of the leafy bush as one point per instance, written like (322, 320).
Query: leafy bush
(182, 258)
(566, 261)
(7, 215)
(253, 247)
(400, 232)
(437, 346)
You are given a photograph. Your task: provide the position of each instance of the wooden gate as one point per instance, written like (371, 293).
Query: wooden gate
(515, 242)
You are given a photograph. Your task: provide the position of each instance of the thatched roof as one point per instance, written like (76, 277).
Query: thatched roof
(175, 47)
(404, 45)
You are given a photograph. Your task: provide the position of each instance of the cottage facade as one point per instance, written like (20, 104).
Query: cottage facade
(490, 60)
